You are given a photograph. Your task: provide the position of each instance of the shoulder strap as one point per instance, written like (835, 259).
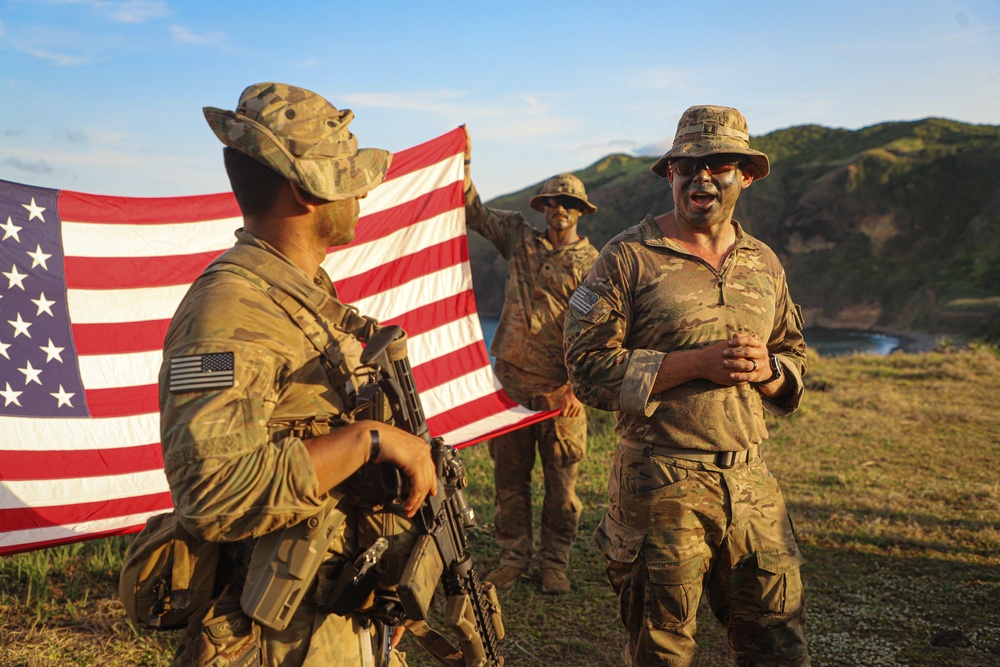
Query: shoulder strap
(294, 282)
(310, 308)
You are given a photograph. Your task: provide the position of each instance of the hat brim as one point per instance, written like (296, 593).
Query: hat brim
(759, 164)
(328, 178)
(538, 202)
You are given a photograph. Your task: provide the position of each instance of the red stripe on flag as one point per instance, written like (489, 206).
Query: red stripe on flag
(450, 366)
(423, 319)
(39, 465)
(82, 207)
(135, 272)
(527, 421)
(458, 416)
(121, 337)
(380, 224)
(123, 401)
(27, 518)
(404, 269)
(427, 153)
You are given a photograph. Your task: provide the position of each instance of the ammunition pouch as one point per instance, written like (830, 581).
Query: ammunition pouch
(170, 575)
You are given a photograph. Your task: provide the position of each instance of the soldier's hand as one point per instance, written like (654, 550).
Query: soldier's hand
(571, 405)
(413, 456)
(746, 358)
(468, 159)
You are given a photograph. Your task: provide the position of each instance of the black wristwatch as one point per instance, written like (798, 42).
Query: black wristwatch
(775, 371)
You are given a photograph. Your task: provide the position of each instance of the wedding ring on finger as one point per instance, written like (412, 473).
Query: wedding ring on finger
(754, 362)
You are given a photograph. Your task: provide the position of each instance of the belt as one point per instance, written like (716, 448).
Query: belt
(724, 460)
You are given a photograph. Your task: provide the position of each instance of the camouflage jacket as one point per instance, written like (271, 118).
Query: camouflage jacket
(236, 466)
(540, 280)
(647, 296)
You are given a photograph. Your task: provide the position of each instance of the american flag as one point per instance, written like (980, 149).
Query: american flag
(88, 285)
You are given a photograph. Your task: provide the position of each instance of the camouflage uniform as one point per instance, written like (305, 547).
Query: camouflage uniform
(236, 466)
(528, 350)
(233, 451)
(677, 525)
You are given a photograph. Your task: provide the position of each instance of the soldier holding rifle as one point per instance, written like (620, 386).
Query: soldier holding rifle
(257, 430)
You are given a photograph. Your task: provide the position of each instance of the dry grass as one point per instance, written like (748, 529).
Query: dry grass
(890, 471)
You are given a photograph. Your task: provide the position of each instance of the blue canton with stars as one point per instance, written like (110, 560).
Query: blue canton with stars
(39, 372)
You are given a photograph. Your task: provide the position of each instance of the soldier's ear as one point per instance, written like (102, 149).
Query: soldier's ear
(305, 199)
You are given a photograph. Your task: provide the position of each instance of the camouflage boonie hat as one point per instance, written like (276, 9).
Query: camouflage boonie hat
(706, 130)
(563, 184)
(303, 137)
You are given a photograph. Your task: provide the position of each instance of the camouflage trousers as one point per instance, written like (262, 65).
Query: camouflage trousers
(678, 528)
(561, 443)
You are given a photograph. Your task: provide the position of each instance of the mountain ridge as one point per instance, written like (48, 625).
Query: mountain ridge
(888, 227)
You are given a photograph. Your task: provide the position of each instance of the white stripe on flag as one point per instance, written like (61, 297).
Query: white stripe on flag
(81, 490)
(100, 306)
(14, 539)
(89, 239)
(39, 435)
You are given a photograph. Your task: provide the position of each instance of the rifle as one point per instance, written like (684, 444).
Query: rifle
(285, 562)
(441, 553)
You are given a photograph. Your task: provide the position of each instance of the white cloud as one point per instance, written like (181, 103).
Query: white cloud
(512, 118)
(123, 11)
(187, 36)
(62, 59)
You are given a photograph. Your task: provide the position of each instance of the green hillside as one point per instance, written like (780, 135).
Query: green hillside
(887, 227)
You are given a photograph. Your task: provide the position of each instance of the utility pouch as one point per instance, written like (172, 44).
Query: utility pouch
(225, 637)
(168, 575)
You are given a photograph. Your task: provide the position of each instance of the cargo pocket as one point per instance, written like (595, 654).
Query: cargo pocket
(779, 584)
(621, 544)
(570, 440)
(674, 591)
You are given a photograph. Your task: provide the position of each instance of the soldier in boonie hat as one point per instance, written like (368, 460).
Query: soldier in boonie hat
(686, 327)
(708, 130)
(562, 185)
(303, 137)
(544, 266)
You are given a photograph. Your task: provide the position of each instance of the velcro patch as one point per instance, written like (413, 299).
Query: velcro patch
(196, 372)
(583, 300)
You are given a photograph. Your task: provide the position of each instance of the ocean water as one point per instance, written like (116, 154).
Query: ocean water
(828, 342)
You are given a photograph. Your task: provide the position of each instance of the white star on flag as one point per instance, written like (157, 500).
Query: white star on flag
(52, 352)
(15, 277)
(10, 396)
(20, 326)
(39, 257)
(63, 397)
(3, 348)
(31, 374)
(10, 229)
(43, 304)
(34, 211)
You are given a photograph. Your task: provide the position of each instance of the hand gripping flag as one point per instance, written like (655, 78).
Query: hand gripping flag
(88, 285)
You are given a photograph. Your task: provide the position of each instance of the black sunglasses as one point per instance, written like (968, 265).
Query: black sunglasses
(715, 164)
(565, 201)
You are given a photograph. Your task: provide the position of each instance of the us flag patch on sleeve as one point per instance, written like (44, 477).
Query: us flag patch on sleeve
(196, 372)
(583, 300)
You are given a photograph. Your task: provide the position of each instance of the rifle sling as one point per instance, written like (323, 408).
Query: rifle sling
(436, 644)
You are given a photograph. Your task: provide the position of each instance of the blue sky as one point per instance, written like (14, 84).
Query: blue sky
(105, 96)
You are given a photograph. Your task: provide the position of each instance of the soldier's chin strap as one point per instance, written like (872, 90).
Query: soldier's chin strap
(436, 644)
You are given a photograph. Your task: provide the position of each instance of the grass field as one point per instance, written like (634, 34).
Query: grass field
(889, 469)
